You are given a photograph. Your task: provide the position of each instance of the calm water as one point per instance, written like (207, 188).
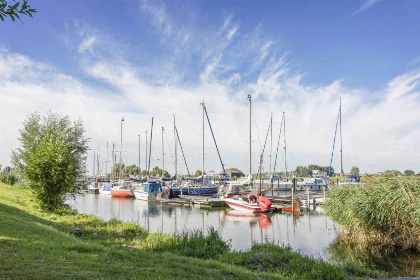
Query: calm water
(311, 233)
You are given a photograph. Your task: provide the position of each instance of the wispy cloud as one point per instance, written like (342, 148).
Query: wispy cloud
(415, 61)
(375, 135)
(367, 4)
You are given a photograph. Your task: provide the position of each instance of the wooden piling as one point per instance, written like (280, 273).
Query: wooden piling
(307, 197)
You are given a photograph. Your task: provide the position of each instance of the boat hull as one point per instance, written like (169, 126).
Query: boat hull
(243, 206)
(105, 192)
(145, 195)
(93, 190)
(196, 191)
(122, 193)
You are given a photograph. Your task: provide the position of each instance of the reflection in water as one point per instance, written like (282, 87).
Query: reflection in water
(311, 236)
(405, 264)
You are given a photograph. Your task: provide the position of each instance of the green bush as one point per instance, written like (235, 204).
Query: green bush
(9, 179)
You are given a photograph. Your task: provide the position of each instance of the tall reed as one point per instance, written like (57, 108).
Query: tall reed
(385, 212)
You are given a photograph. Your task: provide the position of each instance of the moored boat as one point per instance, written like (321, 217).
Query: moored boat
(123, 190)
(107, 188)
(148, 191)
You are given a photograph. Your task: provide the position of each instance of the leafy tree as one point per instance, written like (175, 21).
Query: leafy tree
(158, 172)
(50, 159)
(302, 171)
(198, 173)
(355, 170)
(409, 172)
(132, 170)
(13, 11)
(391, 173)
(115, 170)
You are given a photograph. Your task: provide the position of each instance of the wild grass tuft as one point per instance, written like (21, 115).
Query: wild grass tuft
(385, 212)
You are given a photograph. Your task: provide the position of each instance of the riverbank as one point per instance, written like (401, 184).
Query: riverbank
(35, 242)
(385, 213)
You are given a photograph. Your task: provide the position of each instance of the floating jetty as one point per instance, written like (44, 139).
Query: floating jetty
(201, 201)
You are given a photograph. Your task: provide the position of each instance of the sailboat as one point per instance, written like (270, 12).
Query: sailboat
(124, 188)
(351, 179)
(203, 185)
(253, 202)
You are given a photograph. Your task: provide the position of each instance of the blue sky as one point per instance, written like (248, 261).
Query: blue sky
(325, 40)
(293, 56)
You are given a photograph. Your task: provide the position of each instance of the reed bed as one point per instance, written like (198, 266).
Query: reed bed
(384, 213)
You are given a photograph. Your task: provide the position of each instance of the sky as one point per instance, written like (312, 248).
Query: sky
(99, 61)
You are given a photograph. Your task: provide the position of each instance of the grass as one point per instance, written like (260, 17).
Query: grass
(384, 213)
(39, 244)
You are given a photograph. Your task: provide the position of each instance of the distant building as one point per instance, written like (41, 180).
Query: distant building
(319, 173)
(233, 172)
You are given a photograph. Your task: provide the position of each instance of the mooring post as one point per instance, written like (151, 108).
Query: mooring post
(309, 202)
(293, 195)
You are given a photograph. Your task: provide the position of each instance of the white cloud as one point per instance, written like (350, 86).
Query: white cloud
(376, 136)
(367, 4)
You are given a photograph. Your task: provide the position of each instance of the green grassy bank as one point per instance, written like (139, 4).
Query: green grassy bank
(41, 245)
(385, 213)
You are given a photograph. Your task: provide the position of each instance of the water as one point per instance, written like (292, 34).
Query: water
(310, 233)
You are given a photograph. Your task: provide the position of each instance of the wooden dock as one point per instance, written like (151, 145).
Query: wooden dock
(201, 201)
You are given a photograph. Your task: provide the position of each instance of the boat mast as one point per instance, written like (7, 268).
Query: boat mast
(107, 159)
(250, 139)
(271, 149)
(122, 120)
(94, 163)
(139, 152)
(341, 148)
(113, 161)
(202, 173)
(146, 151)
(176, 163)
(163, 154)
(150, 149)
(284, 136)
(97, 165)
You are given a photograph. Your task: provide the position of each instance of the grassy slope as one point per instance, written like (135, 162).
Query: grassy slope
(33, 244)
(37, 244)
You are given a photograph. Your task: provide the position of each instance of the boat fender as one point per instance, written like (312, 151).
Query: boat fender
(264, 203)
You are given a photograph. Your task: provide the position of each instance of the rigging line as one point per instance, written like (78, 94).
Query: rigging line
(215, 143)
(332, 153)
(170, 150)
(256, 127)
(262, 154)
(278, 144)
(182, 150)
(266, 137)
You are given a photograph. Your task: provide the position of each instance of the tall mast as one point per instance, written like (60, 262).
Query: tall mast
(284, 136)
(341, 147)
(150, 149)
(202, 173)
(122, 120)
(107, 159)
(250, 138)
(146, 151)
(113, 161)
(139, 151)
(97, 165)
(271, 148)
(163, 154)
(94, 163)
(176, 158)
